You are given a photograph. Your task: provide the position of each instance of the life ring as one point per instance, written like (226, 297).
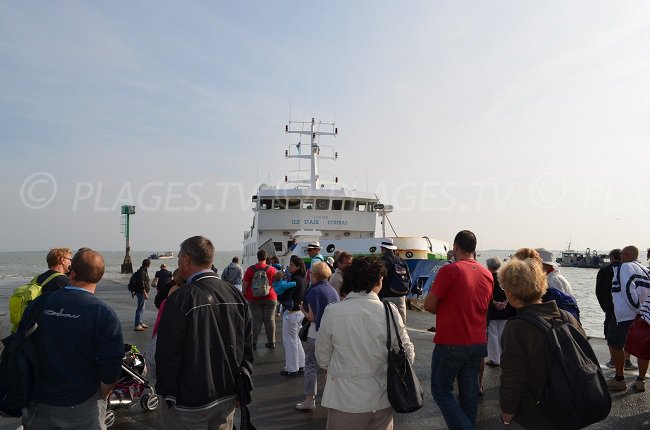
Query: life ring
(372, 249)
(409, 254)
(330, 248)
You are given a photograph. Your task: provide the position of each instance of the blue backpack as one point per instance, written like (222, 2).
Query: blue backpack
(563, 300)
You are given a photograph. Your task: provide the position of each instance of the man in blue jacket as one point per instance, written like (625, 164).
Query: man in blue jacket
(79, 347)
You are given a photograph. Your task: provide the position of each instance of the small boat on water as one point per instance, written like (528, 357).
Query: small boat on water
(161, 255)
(286, 219)
(587, 259)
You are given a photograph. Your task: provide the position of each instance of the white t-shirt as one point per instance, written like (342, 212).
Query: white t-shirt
(556, 280)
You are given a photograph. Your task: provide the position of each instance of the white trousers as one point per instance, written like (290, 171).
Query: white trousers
(494, 332)
(294, 354)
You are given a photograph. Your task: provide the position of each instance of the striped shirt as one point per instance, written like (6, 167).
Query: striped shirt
(644, 312)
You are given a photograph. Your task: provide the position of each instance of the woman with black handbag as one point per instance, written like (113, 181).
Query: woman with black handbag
(351, 345)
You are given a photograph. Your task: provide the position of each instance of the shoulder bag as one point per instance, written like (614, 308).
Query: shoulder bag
(403, 387)
(304, 329)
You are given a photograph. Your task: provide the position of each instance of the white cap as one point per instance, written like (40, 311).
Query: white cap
(547, 257)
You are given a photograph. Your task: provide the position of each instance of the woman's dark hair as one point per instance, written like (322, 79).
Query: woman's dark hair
(302, 269)
(362, 275)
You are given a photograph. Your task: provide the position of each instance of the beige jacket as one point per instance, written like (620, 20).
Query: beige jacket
(336, 280)
(351, 345)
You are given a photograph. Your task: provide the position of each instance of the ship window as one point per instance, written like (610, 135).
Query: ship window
(361, 206)
(308, 204)
(322, 204)
(279, 204)
(265, 204)
(337, 205)
(294, 203)
(278, 246)
(370, 207)
(349, 205)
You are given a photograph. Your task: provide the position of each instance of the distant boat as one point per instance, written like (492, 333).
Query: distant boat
(586, 259)
(161, 255)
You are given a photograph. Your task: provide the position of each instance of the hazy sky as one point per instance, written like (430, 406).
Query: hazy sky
(526, 122)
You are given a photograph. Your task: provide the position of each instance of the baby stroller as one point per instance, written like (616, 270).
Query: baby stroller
(132, 386)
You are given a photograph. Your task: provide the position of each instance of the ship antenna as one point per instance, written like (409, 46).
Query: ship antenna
(384, 217)
(314, 149)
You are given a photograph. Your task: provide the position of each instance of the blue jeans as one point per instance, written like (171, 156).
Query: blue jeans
(140, 309)
(462, 362)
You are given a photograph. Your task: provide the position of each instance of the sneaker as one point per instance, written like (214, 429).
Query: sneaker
(630, 366)
(432, 329)
(615, 385)
(639, 385)
(270, 345)
(138, 328)
(143, 325)
(610, 364)
(491, 363)
(307, 405)
(285, 373)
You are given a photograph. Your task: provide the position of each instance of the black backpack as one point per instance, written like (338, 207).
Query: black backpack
(132, 282)
(576, 394)
(18, 365)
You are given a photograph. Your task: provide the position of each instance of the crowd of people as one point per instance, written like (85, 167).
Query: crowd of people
(333, 318)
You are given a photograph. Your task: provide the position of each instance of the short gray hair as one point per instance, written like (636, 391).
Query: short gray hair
(493, 263)
(200, 250)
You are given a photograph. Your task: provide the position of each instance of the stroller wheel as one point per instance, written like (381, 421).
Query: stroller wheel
(149, 402)
(109, 419)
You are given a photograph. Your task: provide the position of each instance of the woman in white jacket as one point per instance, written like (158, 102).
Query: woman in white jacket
(351, 345)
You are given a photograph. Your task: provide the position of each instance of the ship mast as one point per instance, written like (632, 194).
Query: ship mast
(314, 153)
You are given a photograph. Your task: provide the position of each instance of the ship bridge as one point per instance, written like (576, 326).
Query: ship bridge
(336, 213)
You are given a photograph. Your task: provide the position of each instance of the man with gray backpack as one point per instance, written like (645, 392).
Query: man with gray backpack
(262, 299)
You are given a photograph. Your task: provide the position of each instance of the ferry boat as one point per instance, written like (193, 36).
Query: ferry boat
(310, 208)
(161, 255)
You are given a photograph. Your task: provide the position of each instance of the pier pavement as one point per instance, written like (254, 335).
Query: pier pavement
(274, 396)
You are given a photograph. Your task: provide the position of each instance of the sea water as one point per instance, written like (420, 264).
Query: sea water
(583, 283)
(16, 268)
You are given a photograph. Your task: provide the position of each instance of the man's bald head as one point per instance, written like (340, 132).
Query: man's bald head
(87, 266)
(629, 253)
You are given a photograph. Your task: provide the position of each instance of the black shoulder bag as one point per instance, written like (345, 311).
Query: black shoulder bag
(19, 364)
(403, 387)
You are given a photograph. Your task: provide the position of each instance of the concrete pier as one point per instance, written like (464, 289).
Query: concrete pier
(275, 396)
